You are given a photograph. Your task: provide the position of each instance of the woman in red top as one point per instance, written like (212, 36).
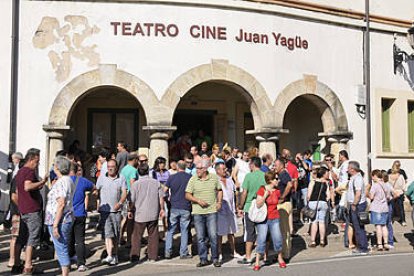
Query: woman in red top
(269, 194)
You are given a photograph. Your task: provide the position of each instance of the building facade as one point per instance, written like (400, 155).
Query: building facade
(277, 74)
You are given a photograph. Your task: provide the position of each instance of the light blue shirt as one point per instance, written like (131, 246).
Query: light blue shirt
(356, 181)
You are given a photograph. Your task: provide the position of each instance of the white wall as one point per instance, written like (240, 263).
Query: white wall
(334, 56)
(5, 57)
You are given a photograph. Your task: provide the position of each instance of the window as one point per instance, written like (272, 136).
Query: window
(411, 126)
(385, 120)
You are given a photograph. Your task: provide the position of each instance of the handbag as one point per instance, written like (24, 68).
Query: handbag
(256, 214)
(309, 212)
(363, 216)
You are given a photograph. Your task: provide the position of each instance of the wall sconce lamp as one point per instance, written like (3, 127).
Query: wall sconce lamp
(401, 56)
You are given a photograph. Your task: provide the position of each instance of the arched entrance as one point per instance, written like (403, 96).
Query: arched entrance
(314, 116)
(220, 109)
(105, 115)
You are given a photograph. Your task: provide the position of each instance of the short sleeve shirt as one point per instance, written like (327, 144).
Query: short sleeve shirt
(129, 172)
(252, 182)
(271, 201)
(82, 185)
(63, 188)
(28, 201)
(145, 196)
(205, 190)
(356, 181)
(292, 170)
(381, 193)
(343, 172)
(177, 184)
(284, 179)
(110, 191)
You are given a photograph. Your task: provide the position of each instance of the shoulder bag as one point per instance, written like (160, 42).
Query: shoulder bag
(309, 212)
(363, 216)
(256, 214)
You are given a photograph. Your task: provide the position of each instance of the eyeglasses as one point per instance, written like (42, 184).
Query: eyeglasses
(144, 160)
(328, 160)
(199, 168)
(188, 162)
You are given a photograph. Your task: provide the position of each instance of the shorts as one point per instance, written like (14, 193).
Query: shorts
(112, 225)
(15, 225)
(379, 218)
(249, 229)
(30, 229)
(321, 212)
(124, 208)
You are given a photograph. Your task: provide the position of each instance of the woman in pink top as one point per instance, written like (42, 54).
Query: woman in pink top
(379, 193)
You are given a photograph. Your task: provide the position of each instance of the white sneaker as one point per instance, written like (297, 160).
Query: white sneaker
(114, 261)
(108, 260)
(220, 258)
(237, 256)
(82, 268)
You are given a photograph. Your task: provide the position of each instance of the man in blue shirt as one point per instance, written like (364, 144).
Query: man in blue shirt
(77, 243)
(180, 210)
(267, 160)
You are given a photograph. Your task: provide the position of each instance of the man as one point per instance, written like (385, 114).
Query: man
(130, 174)
(303, 182)
(204, 191)
(77, 244)
(285, 205)
(294, 175)
(103, 157)
(113, 192)
(122, 155)
(190, 169)
(251, 184)
(227, 221)
(194, 152)
(357, 202)
(148, 204)
(267, 161)
(30, 208)
(14, 166)
(180, 210)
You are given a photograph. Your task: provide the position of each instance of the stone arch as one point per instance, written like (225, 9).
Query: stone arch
(220, 70)
(333, 113)
(105, 75)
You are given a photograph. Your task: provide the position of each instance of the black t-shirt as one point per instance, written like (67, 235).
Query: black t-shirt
(302, 177)
(284, 178)
(317, 189)
(230, 163)
(13, 207)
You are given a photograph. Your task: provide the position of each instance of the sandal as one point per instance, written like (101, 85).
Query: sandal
(386, 246)
(256, 268)
(282, 265)
(322, 244)
(312, 244)
(352, 246)
(380, 248)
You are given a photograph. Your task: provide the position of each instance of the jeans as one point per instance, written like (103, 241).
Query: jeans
(273, 226)
(359, 229)
(182, 218)
(304, 195)
(202, 223)
(389, 225)
(61, 244)
(77, 242)
(400, 202)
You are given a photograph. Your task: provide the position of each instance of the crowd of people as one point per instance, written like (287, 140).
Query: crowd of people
(208, 187)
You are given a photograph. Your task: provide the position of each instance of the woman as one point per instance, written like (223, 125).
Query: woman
(59, 211)
(161, 173)
(270, 195)
(318, 197)
(379, 195)
(390, 228)
(204, 149)
(398, 183)
(215, 150)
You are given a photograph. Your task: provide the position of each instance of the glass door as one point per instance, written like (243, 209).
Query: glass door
(106, 127)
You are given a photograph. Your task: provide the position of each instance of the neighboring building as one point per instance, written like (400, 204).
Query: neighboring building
(125, 70)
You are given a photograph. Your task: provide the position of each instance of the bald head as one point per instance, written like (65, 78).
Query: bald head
(181, 165)
(286, 154)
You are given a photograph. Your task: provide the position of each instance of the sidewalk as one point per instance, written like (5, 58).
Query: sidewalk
(300, 253)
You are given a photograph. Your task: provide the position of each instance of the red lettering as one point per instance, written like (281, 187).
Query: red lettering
(305, 44)
(222, 33)
(172, 30)
(195, 31)
(159, 28)
(148, 26)
(115, 24)
(138, 30)
(126, 28)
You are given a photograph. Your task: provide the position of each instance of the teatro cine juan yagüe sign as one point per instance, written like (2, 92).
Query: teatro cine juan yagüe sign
(207, 32)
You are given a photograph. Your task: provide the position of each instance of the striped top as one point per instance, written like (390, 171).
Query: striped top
(205, 190)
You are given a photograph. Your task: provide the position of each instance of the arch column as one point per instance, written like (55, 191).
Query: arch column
(267, 138)
(55, 137)
(159, 141)
(338, 141)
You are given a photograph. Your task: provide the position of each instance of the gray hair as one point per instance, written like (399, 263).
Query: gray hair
(63, 165)
(181, 165)
(354, 165)
(205, 163)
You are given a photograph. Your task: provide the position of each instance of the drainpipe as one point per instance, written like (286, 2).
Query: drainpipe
(367, 80)
(14, 75)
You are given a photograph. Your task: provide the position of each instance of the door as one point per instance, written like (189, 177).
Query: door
(106, 127)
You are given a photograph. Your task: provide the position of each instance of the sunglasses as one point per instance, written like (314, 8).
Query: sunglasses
(144, 160)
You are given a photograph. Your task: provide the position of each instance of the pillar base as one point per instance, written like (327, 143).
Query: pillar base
(159, 136)
(55, 136)
(267, 138)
